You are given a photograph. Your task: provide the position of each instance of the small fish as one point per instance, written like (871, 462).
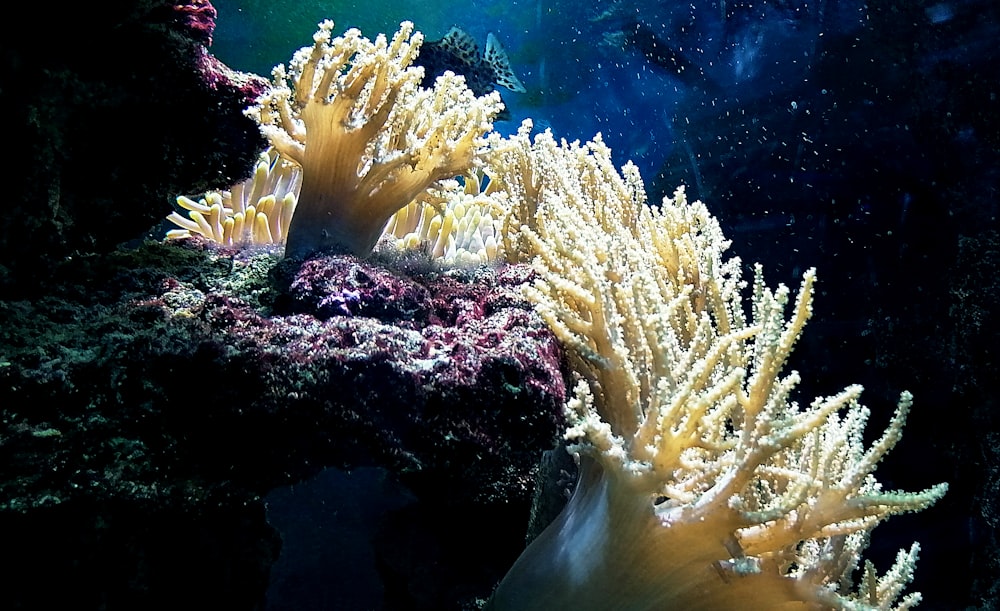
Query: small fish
(459, 52)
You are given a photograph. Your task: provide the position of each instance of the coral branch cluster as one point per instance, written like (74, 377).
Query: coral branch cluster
(452, 223)
(350, 112)
(455, 224)
(704, 485)
(256, 211)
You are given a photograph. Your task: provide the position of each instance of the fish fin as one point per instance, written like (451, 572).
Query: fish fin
(463, 46)
(497, 58)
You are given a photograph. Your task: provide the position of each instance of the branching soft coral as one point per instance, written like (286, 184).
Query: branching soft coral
(703, 484)
(369, 139)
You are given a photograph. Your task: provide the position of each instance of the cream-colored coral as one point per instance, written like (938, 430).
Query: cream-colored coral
(350, 112)
(255, 211)
(454, 223)
(703, 484)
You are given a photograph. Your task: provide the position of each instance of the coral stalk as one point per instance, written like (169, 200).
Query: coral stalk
(368, 138)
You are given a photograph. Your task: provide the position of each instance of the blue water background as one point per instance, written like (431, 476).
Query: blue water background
(580, 80)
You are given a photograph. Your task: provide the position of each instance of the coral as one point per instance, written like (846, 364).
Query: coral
(368, 138)
(255, 211)
(703, 484)
(453, 224)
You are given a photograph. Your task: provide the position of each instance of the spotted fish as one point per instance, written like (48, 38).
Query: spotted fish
(459, 52)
